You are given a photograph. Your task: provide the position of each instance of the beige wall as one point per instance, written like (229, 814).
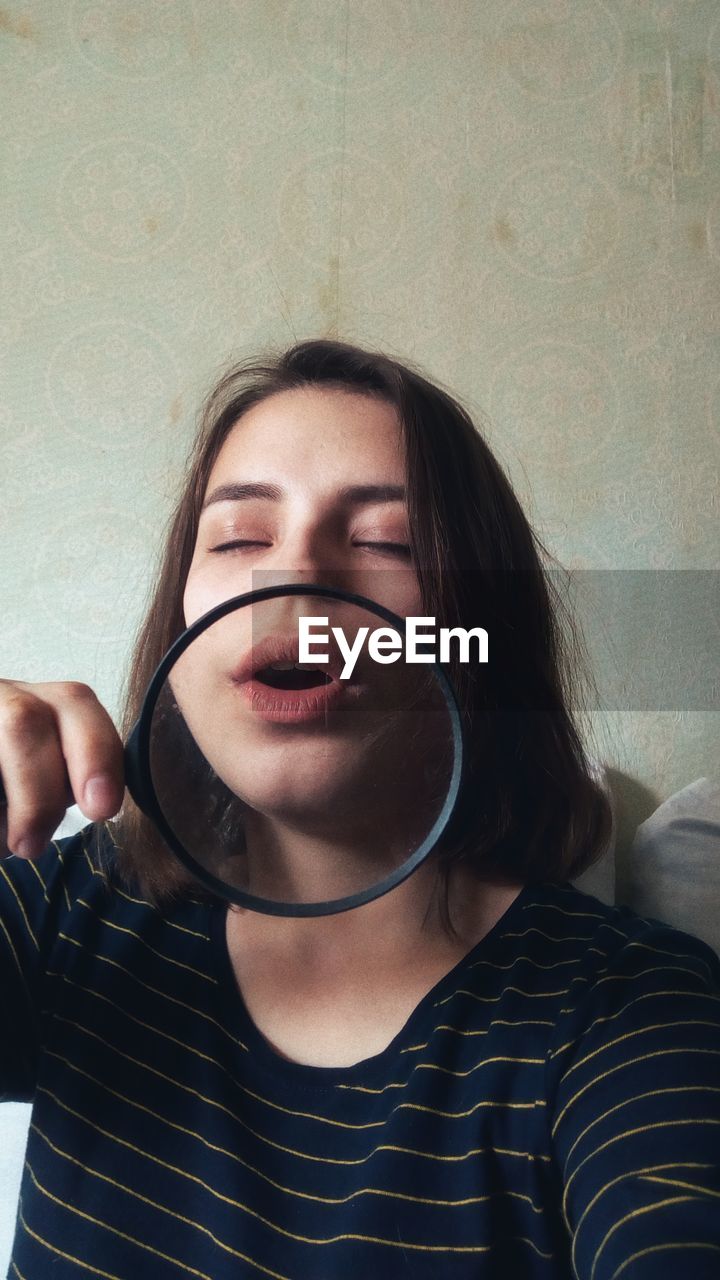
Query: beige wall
(523, 197)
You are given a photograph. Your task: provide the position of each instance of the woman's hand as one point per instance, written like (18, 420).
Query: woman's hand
(58, 746)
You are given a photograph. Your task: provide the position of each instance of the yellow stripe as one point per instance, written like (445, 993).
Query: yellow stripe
(23, 983)
(165, 1035)
(628, 977)
(21, 905)
(684, 1186)
(17, 1270)
(462, 1115)
(140, 902)
(655, 1248)
(631, 1133)
(485, 1062)
(678, 955)
(302, 1195)
(585, 937)
(15, 956)
(529, 960)
(154, 1204)
(121, 928)
(187, 896)
(434, 1066)
(114, 1230)
(637, 1097)
(277, 1146)
(95, 870)
(631, 1173)
(574, 914)
(355, 1088)
(69, 1257)
(186, 1088)
(288, 1111)
(657, 968)
(98, 1222)
(627, 1035)
(61, 860)
(34, 867)
(551, 906)
(361, 1088)
(610, 1017)
(628, 1217)
(629, 1062)
(496, 1022)
(623, 933)
(290, 1235)
(533, 995)
(155, 990)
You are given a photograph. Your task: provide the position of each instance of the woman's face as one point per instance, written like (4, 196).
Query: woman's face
(310, 486)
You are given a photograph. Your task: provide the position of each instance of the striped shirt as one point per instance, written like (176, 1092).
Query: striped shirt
(551, 1108)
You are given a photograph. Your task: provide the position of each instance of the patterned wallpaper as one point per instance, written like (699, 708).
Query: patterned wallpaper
(521, 195)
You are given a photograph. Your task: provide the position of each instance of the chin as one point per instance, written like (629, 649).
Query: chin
(303, 784)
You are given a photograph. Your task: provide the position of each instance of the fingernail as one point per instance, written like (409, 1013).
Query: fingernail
(99, 792)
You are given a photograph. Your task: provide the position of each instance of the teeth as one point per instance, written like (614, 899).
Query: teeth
(307, 666)
(282, 666)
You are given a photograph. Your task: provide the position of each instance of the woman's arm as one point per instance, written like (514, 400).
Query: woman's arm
(634, 1083)
(57, 743)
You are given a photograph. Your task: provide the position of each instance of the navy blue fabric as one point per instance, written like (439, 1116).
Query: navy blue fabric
(550, 1109)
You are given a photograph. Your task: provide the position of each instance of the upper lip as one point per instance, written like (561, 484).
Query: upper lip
(278, 648)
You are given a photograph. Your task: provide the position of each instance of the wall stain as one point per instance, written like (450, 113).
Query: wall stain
(13, 26)
(697, 235)
(503, 231)
(151, 226)
(175, 410)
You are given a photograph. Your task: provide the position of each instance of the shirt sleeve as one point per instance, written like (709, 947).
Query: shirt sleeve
(634, 1093)
(36, 898)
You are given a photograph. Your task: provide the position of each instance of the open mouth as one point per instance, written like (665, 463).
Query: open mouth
(284, 691)
(292, 675)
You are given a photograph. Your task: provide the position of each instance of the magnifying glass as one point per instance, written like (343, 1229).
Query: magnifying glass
(297, 787)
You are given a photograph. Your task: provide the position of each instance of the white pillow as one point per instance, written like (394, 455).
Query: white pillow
(674, 862)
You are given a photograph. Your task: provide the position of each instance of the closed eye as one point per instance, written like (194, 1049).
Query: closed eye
(389, 548)
(239, 544)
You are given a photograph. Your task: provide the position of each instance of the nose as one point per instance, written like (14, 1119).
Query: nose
(305, 557)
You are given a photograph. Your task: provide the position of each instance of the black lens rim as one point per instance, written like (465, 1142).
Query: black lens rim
(138, 775)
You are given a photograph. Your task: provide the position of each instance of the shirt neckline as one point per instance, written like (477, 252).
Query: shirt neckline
(266, 1060)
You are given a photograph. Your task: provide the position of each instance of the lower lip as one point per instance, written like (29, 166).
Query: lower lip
(292, 706)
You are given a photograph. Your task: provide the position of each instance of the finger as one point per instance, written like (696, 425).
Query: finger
(92, 750)
(34, 776)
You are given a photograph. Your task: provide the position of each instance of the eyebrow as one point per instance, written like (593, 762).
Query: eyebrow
(241, 492)
(353, 494)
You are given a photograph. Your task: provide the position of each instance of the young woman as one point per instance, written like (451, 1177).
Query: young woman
(484, 1072)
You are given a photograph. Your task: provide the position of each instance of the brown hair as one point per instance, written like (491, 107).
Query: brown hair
(531, 806)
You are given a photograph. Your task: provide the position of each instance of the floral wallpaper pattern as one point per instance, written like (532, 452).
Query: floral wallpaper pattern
(523, 196)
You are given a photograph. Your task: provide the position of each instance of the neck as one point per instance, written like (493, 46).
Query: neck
(393, 928)
(318, 862)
